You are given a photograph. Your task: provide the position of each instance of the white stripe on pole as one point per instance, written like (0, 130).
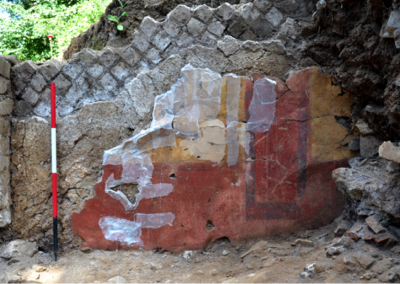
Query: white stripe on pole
(53, 151)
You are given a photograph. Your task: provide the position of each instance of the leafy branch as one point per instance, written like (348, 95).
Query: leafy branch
(116, 18)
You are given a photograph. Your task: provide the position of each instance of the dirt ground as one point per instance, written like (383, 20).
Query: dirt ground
(263, 260)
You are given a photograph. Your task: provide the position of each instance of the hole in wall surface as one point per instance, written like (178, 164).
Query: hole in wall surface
(173, 176)
(209, 226)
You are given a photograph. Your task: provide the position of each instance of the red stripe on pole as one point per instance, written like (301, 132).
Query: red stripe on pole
(53, 105)
(54, 176)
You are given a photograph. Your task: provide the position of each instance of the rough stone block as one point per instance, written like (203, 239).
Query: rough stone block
(154, 56)
(18, 249)
(367, 234)
(172, 27)
(250, 14)
(364, 260)
(22, 108)
(5, 218)
(363, 127)
(209, 39)
(4, 126)
(130, 56)
(162, 40)
(108, 57)
(237, 28)
(204, 13)
(12, 59)
(390, 152)
(396, 35)
(149, 27)
(228, 45)
(184, 40)
(26, 69)
(369, 146)
(274, 45)
(181, 14)
(195, 27)
(353, 235)
(354, 145)
(72, 69)
(95, 71)
(42, 109)
(86, 56)
(216, 28)
(263, 5)
(385, 239)
(140, 42)
(49, 70)
(5, 68)
(4, 163)
(62, 84)
(275, 17)
(108, 83)
(4, 146)
(6, 106)
(250, 45)
(226, 11)
(393, 22)
(38, 82)
(342, 228)
(3, 85)
(374, 224)
(120, 71)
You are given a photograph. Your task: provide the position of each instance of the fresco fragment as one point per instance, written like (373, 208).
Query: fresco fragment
(253, 157)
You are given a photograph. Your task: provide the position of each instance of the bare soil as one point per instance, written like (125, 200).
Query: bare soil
(262, 260)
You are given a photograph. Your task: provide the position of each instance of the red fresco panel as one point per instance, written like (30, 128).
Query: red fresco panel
(272, 191)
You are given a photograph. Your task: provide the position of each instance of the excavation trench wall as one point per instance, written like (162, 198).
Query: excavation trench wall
(187, 135)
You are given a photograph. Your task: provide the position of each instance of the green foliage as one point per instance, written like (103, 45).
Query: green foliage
(24, 33)
(116, 19)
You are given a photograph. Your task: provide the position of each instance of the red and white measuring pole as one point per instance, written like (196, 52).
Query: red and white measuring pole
(54, 166)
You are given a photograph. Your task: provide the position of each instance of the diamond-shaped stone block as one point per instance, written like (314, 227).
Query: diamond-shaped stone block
(162, 40)
(120, 71)
(203, 12)
(108, 83)
(62, 84)
(195, 27)
(130, 56)
(209, 39)
(263, 5)
(140, 42)
(226, 11)
(30, 96)
(216, 28)
(38, 82)
(72, 69)
(237, 28)
(184, 40)
(149, 27)
(49, 70)
(4, 83)
(181, 14)
(275, 17)
(25, 69)
(154, 56)
(172, 27)
(108, 57)
(86, 56)
(95, 71)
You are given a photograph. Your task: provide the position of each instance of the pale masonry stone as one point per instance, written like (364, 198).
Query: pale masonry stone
(30, 96)
(108, 57)
(275, 17)
(228, 45)
(216, 28)
(226, 11)
(149, 27)
(6, 106)
(72, 69)
(5, 68)
(162, 40)
(195, 27)
(38, 82)
(172, 27)
(203, 12)
(3, 85)
(181, 14)
(95, 71)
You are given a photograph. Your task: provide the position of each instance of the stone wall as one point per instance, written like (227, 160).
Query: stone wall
(6, 107)
(105, 97)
